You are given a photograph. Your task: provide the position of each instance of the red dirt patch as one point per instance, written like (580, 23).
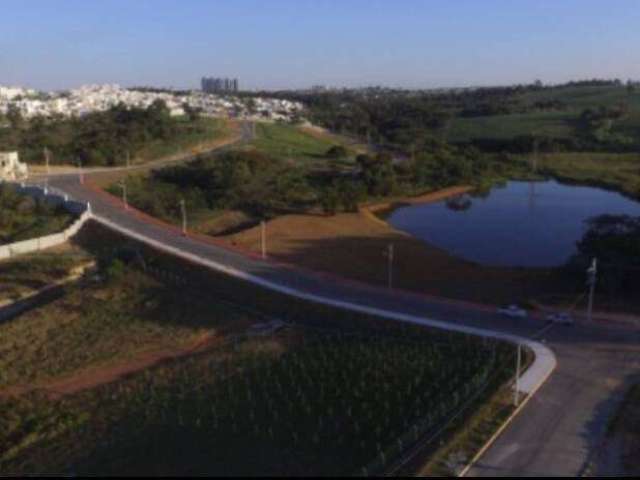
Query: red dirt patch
(100, 375)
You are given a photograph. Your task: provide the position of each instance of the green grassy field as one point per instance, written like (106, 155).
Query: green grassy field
(557, 124)
(291, 143)
(205, 130)
(552, 124)
(585, 96)
(620, 172)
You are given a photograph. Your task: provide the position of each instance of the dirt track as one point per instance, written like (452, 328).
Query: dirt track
(100, 375)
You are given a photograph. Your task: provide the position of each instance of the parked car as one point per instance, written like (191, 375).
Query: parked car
(513, 311)
(561, 318)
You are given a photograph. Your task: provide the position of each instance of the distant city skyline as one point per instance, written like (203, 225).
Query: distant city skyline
(300, 43)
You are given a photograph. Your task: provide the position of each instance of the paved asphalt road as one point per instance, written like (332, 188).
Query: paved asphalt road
(558, 431)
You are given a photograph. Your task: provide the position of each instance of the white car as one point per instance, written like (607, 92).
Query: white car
(513, 311)
(561, 318)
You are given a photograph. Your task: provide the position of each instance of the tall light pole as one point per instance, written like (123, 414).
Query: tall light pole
(592, 273)
(123, 186)
(46, 160)
(390, 265)
(80, 174)
(183, 210)
(516, 392)
(263, 239)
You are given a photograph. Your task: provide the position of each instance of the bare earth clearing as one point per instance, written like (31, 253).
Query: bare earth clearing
(354, 245)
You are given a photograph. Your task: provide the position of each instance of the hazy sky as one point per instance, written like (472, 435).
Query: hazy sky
(55, 44)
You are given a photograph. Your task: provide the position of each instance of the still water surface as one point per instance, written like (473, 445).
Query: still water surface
(532, 224)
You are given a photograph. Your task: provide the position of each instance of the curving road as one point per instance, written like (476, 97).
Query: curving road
(558, 431)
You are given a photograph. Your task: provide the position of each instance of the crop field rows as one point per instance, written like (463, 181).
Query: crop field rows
(301, 402)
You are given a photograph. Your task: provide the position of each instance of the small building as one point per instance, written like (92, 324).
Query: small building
(11, 168)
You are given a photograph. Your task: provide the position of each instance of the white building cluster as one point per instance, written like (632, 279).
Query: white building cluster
(96, 98)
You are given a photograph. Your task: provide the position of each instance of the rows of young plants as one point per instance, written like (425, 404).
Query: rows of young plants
(320, 403)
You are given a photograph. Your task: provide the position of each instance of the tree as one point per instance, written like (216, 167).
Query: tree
(329, 199)
(377, 173)
(14, 116)
(192, 113)
(337, 152)
(615, 241)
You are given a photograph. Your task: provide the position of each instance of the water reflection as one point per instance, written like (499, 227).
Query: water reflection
(519, 224)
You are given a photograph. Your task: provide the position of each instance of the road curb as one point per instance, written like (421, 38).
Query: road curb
(504, 425)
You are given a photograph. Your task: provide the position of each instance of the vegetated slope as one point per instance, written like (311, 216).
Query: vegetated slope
(23, 217)
(561, 121)
(27, 273)
(291, 143)
(298, 403)
(114, 318)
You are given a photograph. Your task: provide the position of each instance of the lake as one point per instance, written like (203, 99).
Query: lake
(528, 224)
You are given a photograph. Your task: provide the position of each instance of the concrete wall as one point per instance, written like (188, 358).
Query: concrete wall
(48, 241)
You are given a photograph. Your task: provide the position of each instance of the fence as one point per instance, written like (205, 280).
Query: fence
(53, 197)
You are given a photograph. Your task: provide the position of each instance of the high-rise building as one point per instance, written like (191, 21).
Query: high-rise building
(219, 85)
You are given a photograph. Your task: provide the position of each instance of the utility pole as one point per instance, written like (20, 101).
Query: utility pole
(516, 392)
(80, 174)
(183, 210)
(592, 273)
(390, 265)
(46, 160)
(123, 185)
(263, 239)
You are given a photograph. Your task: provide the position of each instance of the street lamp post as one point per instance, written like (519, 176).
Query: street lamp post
(80, 174)
(390, 254)
(183, 210)
(46, 160)
(592, 273)
(123, 186)
(516, 392)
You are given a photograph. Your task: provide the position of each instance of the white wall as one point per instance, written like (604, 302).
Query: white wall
(48, 241)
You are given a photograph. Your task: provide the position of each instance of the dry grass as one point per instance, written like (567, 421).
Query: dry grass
(353, 245)
(100, 322)
(24, 275)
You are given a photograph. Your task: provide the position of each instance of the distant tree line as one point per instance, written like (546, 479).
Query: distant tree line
(100, 138)
(615, 241)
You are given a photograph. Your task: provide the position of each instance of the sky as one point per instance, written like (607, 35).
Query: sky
(272, 44)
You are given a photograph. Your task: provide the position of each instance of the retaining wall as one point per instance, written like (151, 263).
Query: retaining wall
(53, 197)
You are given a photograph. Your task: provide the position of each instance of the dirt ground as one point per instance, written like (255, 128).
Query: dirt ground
(103, 374)
(354, 245)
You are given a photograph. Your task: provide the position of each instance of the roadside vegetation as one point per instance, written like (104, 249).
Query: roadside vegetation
(287, 171)
(26, 274)
(110, 138)
(23, 217)
(623, 436)
(238, 406)
(115, 315)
